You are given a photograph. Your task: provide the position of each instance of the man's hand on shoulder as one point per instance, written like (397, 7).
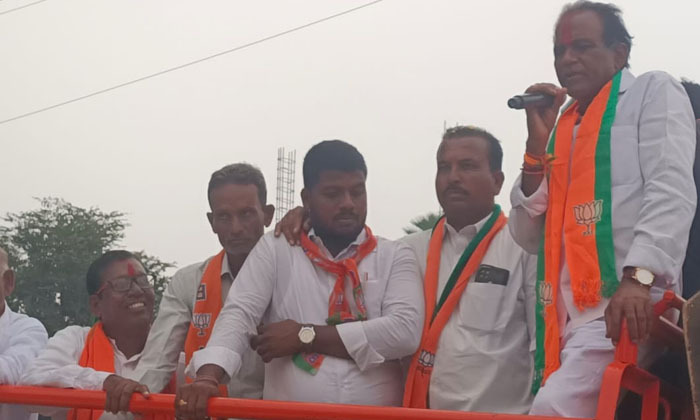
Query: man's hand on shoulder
(278, 339)
(632, 302)
(293, 224)
(119, 391)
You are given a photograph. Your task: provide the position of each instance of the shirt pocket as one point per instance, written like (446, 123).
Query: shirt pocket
(373, 291)
(624, 142)
(481, 306)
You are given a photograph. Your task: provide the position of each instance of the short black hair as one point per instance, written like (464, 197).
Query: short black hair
(331, 155)
(495, 149)
(693, 91)
(614, 29)
(97, 268)
(239, 174)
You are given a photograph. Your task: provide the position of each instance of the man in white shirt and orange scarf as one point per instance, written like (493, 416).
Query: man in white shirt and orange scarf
(98, 357)
(607, 197)
(237, 196)
(476, 348)
(338, 312)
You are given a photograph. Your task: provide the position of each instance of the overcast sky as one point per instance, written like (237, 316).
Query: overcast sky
(384, 78)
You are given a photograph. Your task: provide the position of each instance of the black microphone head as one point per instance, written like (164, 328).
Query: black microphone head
(516, 102)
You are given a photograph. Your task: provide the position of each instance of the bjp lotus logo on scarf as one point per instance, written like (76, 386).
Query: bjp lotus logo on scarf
(588, 214)
(426, 359)
(201, 322)
(546, 295)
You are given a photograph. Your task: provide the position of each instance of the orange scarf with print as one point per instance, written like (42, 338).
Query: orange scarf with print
(206, 309)
(437, 313)
(579, 211)
(98, 354)
(338, 307)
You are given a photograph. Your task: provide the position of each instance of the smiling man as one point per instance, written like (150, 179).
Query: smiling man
(338, 312)
(97, 358)
(613, 208)
(237, 197)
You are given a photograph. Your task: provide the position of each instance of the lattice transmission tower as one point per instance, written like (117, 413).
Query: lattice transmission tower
(286, 168)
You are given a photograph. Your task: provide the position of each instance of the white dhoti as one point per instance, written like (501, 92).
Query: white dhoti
(573, 390)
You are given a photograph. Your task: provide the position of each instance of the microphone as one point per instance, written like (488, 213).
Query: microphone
(530, 100)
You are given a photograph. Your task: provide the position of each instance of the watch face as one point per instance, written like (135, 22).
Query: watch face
(645, 277)
(306, 335)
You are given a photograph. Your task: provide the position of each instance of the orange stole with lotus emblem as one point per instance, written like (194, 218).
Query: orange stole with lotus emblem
(579, 212)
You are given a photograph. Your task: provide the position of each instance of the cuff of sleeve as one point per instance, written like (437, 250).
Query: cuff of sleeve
(355, 340)
(536, 203)
(100, 378)
(655, 260)
(223, 357)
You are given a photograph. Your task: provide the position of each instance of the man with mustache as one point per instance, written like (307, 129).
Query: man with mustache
(237, 197)
(338, 312)
(607, 196)
(475, 353)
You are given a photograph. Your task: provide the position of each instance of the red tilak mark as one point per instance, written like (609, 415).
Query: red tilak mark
(130, 269)
(565, 36)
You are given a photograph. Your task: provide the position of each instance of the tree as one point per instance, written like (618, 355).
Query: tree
(50, 250)
(425, 222)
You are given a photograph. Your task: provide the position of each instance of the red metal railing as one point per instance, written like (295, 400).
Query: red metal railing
(620, 374)
(234, 407)
(624, 374)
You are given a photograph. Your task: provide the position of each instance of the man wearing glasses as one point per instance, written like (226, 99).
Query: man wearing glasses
(97, 357)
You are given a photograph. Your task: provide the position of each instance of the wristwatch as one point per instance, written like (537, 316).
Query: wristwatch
(642, 276)
(307, 335)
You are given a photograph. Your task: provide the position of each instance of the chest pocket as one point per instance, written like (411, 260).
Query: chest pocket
(624, 142)
(373, 290)
(481, 306)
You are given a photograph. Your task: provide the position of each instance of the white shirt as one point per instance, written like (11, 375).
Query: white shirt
(57, 366)
(484, 360)
(278, 282)
(653, 193)
(21, 339)
(166, 339)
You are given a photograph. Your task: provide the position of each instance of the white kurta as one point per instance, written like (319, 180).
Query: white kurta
(653, 204)
(57, 366)
(278, 282)
(166, 339)
(21, 340)
(484, 360)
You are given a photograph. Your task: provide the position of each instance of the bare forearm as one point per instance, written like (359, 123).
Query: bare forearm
(328, 341)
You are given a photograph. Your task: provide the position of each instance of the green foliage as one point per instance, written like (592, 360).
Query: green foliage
(425, 222)
(50, 250)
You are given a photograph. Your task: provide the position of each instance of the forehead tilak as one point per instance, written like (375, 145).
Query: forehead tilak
(564, 30)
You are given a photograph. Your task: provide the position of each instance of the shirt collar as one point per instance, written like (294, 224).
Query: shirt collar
(5, 317)
(342, 254)
(469, 231)
(225, 269)
(627, 80)
(133, 358)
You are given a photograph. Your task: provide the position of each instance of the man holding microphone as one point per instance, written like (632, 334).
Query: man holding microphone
(606, 197)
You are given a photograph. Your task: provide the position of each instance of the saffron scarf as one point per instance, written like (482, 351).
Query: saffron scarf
(580, 211)
(206, 309)
(438, 312)
(338, 307)
(98, 354)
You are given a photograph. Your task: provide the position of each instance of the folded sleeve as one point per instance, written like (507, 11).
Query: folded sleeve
(397, 332)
